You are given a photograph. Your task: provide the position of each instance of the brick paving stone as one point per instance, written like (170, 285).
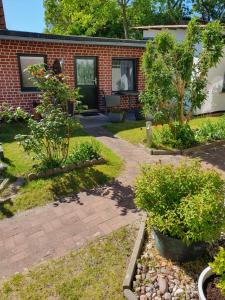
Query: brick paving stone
(46, 232)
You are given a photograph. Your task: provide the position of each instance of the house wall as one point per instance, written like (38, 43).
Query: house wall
(10, 89)
(216, 95)
(178, 33)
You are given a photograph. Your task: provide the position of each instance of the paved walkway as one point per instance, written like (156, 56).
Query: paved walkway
(47, 232)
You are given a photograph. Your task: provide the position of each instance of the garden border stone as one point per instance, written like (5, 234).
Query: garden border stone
(4, 184)
(191, 150)
(65, 169)
(128, 280)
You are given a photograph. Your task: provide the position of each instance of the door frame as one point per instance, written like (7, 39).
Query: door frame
(96, 72)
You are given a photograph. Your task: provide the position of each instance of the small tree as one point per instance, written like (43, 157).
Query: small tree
(49, 138)
(176, 72)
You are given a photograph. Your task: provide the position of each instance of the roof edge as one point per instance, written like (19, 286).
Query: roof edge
(69, 39)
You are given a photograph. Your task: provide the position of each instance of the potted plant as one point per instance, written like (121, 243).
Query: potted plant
(116, 115)
(211, 283)
(185, 207)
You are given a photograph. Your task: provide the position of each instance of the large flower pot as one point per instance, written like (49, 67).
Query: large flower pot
(206, 273)
(177, 250)
(116, 117)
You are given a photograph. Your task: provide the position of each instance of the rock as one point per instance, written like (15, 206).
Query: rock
(143, 297)
(138, 277)
(167, 296)
(179, 292)
(149, 296)
(139, 266)
(149, 288)
(2, 167)
(164, 270)
(138, 271)
(143, 289)
(163, 285)
(138, 289)
(145, 269)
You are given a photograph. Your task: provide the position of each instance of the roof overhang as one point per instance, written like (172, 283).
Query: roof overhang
(69, 39)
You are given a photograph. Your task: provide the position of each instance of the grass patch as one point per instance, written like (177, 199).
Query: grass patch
(94, 272)
(135, 131)
(39, 192)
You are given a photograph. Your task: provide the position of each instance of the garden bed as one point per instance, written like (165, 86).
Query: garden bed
(150, 276)
(66, 168)
(188, 151)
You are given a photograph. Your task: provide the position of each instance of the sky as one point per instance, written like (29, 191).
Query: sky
(24, 15)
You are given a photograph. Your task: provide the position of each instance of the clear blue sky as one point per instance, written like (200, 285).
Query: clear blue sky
(24, 15)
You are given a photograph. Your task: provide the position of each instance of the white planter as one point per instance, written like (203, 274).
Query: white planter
(206, 273)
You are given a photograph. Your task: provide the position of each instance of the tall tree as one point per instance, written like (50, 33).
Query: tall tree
(210, 9)
(124, 6)
(172, 73)
(83, 17)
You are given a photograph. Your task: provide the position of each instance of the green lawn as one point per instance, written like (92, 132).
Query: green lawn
(135, 132)
(39, 192)
(95, 272)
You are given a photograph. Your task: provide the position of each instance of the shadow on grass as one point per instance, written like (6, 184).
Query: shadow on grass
(73, 182)
(5, 211)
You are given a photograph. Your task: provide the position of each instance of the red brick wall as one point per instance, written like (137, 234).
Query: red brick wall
(10, 90)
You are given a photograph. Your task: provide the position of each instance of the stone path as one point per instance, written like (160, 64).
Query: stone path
(47, 232)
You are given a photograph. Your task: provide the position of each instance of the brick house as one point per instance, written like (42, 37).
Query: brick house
(98, 66)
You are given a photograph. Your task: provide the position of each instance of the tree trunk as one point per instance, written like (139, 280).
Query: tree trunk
(123, 5)
(181, 110)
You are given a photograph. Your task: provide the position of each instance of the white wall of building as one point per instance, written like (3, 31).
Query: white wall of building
(215, 101)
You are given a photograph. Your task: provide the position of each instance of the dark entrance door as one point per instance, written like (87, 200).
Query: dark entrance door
(86, 80)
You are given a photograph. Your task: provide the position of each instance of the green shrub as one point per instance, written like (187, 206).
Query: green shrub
(211, 131)
(49, 138)
(176, 136)
(9, 114)
(84, 151)
(183, 202)
(218, 267)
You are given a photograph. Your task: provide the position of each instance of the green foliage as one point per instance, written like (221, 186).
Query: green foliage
(84, 151)
(110, 18)
(173, 76)
(49, 138)
(9, 114)
(183, 202)
(218, 267)
(83, 17)
(176, 136)
(211, 131)
(53, 86)
(210, 10)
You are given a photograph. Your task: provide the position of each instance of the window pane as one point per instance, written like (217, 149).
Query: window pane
(122, 75)
(85, 71)
(26, 61)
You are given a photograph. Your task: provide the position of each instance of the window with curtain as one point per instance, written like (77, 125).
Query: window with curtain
(26, 60)
(123, 75)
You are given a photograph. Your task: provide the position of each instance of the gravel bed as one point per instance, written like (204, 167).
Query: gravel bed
(158, 278)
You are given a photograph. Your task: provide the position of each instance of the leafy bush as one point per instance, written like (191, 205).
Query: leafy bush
(218, 267)
(211, 131)
(176, 136)
(9, 114)
(49, 138)
(84, 151)
(183, 202)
